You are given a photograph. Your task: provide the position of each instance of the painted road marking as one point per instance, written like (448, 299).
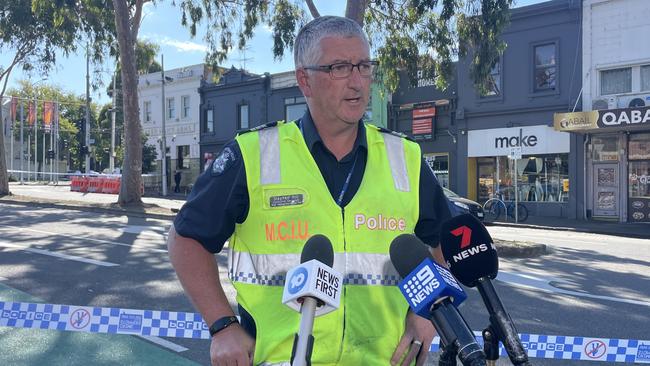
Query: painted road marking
(164, 343)
(138, 247)
(58, 255)
(537, 282)
(147, 323)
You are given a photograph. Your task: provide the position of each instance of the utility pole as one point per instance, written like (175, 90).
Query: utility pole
(112, 157)
(87, 111)
(163, 143)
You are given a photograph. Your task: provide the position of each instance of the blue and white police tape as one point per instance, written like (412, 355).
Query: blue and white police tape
(190, 325)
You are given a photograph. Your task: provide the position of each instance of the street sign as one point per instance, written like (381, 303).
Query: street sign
(515, 152)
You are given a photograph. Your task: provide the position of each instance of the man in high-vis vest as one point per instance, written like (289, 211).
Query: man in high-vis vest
(327, 173)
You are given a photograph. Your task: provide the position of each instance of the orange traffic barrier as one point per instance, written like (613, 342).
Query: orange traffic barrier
(75, 184)
(83, 184)
(95, 184)
(111, 185)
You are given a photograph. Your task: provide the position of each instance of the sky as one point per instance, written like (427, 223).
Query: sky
(161, 25)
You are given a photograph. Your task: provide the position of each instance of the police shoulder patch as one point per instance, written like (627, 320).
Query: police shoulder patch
(224, 161)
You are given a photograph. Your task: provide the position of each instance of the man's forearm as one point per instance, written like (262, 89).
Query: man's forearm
(197, 271)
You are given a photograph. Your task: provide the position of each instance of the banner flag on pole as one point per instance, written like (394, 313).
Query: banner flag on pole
(12, 113)
(48, 115)
(31, 113)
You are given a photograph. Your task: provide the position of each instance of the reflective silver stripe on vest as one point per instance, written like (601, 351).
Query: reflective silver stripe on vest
(269, 156)
(397, 161)
(271, 269)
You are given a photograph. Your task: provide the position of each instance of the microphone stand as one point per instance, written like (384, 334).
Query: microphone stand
(447, 354)
(490, 346)
(507, 334)
(303, 342)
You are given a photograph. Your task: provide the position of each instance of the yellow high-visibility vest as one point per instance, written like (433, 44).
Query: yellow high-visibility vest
(289, 202)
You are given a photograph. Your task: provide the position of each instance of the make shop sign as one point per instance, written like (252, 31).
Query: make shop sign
(603, 119)
(531, 139)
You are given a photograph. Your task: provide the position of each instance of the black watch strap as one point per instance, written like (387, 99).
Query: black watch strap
(221, 324)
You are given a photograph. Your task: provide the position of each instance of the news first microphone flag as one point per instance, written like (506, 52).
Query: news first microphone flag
(317, 280)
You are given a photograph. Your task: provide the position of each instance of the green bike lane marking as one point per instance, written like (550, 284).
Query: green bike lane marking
(50, 347)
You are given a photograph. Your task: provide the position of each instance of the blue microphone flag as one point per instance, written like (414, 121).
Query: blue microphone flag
(427, 284)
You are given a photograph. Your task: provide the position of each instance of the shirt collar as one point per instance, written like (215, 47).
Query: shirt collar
(310, 133)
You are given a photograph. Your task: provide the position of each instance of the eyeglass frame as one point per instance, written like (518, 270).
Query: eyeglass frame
(328, 68)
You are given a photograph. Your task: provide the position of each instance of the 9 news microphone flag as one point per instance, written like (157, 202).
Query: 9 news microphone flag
(313, 288)
(433, 293)
(472, 258)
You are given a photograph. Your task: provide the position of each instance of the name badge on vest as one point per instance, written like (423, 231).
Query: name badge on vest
(288, 200)
(278, 198)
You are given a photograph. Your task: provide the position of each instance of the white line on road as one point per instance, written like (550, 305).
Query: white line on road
(58, 255)
(93, 239)
(164, 343)
(536, 282)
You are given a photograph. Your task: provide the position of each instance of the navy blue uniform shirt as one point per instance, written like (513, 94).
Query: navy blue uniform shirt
(219, 198)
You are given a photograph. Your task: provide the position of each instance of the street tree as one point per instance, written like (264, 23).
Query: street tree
(422, 36)
(35, 32)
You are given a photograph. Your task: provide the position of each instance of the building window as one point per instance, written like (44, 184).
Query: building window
(545, 67)
(494, 81)
(171, 108)
(209, 121)
(294, 108)
(185, 106)
(147, 111)
(243, 116)
(540, 178)
(616, 81)
(183, 157)
(645, 78)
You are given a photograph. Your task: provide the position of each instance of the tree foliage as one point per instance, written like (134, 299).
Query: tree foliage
(412, 35)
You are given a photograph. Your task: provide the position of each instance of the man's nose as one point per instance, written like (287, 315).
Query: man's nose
(355, 80)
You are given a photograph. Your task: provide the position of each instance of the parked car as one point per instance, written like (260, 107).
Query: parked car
(460, 205)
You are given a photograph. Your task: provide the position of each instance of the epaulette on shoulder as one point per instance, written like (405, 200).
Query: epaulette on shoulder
(394, 133)
(258, 128)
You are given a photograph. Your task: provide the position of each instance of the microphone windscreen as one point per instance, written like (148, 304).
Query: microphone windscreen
(407, 252)
(318, 247)
(468, 249)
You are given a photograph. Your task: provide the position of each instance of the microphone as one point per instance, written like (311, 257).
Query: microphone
(313, 288)
(472, 258)
(433, 293)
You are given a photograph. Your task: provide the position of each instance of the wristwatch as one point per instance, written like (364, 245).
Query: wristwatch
(221, 324)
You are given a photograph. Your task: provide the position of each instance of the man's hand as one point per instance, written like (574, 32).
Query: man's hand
(232, 347)
(416, 340)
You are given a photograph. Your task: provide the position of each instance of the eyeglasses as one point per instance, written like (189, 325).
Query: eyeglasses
(342, 70)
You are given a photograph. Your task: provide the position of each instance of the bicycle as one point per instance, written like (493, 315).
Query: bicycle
(495, 207)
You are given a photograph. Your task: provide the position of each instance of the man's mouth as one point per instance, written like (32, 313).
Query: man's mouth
(353, 100)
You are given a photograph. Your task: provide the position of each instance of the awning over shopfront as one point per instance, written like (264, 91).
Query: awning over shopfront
(624, 119)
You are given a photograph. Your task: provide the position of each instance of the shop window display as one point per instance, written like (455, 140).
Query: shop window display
(540, 178)
(639, 177)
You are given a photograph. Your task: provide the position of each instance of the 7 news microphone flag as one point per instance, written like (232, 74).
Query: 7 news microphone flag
(313, 288)
(472, 258)
(432, 292)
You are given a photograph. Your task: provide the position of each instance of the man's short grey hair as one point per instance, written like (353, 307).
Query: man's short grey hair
(307, 51)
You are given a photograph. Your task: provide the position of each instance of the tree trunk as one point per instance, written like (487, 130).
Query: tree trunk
(4, 175)
(355, 10)
(132, 173)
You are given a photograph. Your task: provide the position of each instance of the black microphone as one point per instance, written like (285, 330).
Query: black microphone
(433, 293)
(314, 289)
(472, 258)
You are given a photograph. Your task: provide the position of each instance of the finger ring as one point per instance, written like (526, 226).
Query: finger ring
(416, 342)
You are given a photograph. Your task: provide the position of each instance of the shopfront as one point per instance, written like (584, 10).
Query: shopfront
(541, 174)
(618, 161)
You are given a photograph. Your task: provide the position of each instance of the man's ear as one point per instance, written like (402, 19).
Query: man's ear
(303, 82)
